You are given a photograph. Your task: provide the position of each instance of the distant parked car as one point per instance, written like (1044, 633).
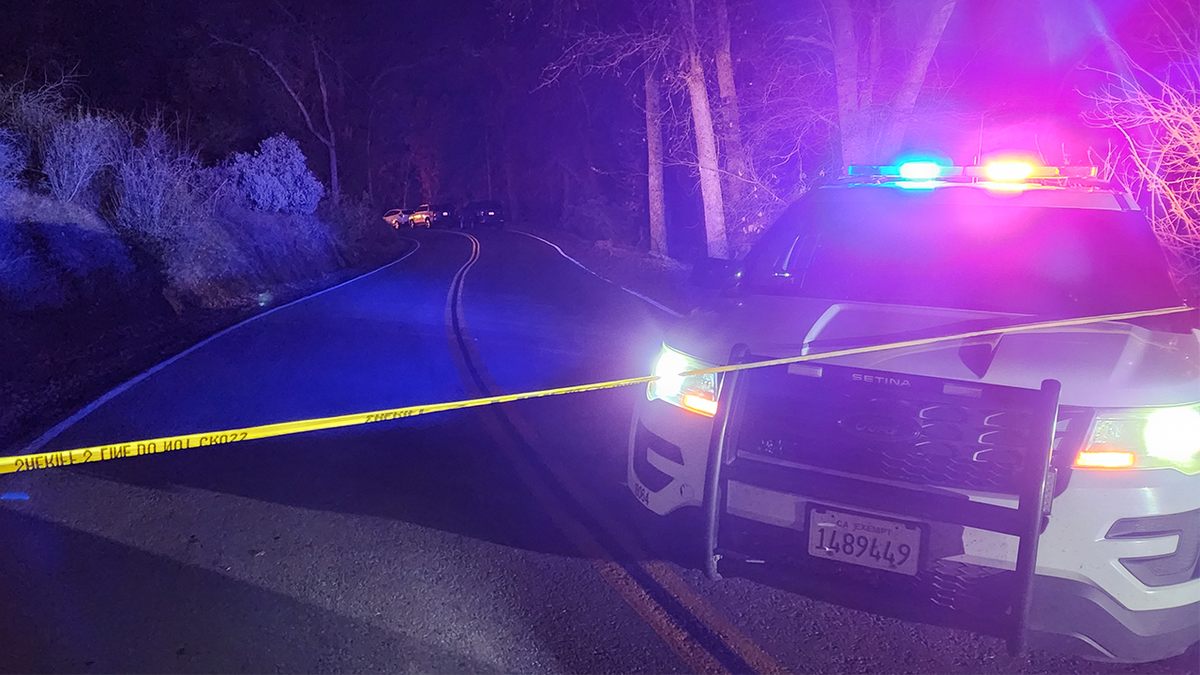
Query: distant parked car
(444, 215)
(397, 217)
(422, 217)
(484, 214)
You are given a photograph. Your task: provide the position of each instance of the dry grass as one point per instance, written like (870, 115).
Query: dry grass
(22, 206)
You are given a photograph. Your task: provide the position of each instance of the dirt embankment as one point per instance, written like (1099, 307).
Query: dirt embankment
(80, 313)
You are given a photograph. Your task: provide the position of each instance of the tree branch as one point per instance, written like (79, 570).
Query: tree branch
(282, 80)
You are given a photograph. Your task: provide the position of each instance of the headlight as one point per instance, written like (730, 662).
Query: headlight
(697, 393)
(1144, 438)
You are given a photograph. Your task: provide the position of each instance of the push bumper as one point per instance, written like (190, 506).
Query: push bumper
(1066, 615)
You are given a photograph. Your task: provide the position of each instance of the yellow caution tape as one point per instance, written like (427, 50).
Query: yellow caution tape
(100, 453)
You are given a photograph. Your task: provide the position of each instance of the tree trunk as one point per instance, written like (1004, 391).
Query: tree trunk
(407, 173)
(330, 133)
(334, 185)
(370, 163)
(706, 153)
(855, 146)
(515, 211)
(706, 140)
(654, 148)
(914, 76)
(735, 152)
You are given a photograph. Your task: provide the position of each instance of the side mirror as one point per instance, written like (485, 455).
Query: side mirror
(716, 274)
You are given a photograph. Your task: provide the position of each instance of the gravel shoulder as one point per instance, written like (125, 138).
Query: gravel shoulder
(662, 279)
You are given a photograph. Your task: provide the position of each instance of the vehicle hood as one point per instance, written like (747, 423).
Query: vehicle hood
(1109, 364)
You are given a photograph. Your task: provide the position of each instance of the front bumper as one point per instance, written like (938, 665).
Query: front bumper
(1085, 600)
(1073, 617)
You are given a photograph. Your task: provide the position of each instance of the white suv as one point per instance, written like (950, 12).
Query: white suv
(919, 481)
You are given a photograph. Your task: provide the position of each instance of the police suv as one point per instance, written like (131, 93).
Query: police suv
(1003, 436)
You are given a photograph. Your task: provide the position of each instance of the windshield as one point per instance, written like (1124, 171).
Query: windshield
(961, 248)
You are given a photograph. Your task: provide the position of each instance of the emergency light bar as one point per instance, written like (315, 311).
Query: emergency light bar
(1000, 171)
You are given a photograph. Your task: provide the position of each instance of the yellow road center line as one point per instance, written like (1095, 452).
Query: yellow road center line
(717, 622)
(711, 617)
(697, 658)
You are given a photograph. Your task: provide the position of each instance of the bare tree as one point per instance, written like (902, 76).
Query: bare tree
(667, 33)
(875, 106)
(654, 150)
(323, 129)
(1158, 117)
(649, 46)
(731, 126)
(715, 235)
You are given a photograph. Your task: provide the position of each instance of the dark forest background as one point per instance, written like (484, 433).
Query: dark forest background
(451, 100)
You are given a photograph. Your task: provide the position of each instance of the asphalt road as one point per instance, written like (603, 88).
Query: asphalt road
(497, 539)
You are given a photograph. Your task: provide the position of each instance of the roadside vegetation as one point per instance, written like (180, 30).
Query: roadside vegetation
(92, 200)
(119, 246)
(1157, 114)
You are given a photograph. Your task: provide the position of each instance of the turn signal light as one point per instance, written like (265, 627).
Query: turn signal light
(700, 404)
(1105, 459)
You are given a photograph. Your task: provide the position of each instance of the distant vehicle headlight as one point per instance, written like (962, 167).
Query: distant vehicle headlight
(1144, 438)
(697, 393)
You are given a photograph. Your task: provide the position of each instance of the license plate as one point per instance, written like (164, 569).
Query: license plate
(852, 538)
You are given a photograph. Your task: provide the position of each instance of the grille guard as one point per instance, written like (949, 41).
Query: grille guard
(911, 486)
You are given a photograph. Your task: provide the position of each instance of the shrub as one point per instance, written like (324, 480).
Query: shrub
(158, 191)
(597, 218)
(231, 257)
(276, 178)
(13, 159)
(363, 238)
(34, 111)
(79, 148)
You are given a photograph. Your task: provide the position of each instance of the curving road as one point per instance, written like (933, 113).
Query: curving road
(489, 540)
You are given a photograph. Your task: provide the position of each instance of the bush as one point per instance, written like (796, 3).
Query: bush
(32, 112)
(276, 178)
(233, 256)
(363, 238)
(158, 192)
(78, 149)
(598, 218)
(13, 159)
(214, 246)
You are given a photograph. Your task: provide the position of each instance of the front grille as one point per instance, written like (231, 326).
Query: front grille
(888, 444)
(902, 433)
